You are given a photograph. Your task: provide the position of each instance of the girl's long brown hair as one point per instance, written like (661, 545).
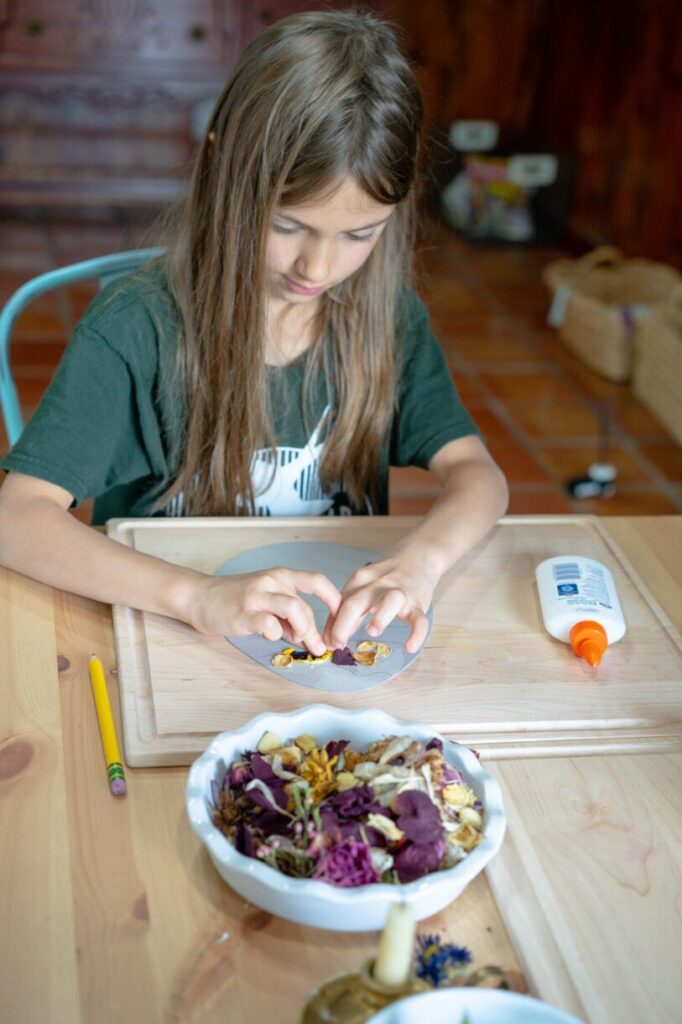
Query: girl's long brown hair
(318, 97)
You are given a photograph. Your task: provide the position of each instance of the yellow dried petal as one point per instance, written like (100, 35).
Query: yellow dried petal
(289, 754)
(366, 645)
(345, 780)
(268, 742)
(306, 742)
(386, 826)
(352, 758)
(366, 658)
(466, 837)
(282, 660)
(373, 646)
(458, 794)
(317, 660)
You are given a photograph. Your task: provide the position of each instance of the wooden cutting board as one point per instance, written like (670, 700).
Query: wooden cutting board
(588, 880)
(489, 675)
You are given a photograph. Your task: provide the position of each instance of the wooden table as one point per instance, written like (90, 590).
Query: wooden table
(111, 910)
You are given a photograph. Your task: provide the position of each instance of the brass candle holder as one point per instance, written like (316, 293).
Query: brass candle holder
(354, 998)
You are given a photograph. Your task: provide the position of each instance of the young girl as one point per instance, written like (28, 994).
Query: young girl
(274, 363)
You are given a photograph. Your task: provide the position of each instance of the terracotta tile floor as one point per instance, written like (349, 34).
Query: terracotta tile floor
(543, 414)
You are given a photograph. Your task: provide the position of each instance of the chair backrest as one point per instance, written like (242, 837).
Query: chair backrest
(106, 268)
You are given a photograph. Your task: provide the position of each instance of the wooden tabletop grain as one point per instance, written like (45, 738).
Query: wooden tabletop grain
(110, 909)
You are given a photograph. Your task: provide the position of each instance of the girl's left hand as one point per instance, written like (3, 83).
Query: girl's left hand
(398, 586)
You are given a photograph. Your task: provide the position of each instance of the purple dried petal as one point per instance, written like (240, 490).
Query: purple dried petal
(418, 817)
(239, 776)
(415, 860)
(451, 774)
(262, 769)
(243, 840)
(434, 744)
(273, 824)
(343, 656)
(336, 747)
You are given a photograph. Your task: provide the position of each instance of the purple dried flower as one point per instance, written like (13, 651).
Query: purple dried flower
(343, 656)
(434, 744)
(418, 817)
(351, 803)
(417, 859)
(347, 864)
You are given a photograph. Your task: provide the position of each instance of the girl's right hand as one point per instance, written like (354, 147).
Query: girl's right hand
(266, 603)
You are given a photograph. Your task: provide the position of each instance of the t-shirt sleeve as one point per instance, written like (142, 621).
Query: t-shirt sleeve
(430, 412)
(85, 434)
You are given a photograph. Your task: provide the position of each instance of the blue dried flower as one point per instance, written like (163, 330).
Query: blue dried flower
(438, 963)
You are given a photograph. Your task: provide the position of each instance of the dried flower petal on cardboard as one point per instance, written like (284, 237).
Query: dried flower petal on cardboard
(282, 660)
(366, 658)
(343, 656)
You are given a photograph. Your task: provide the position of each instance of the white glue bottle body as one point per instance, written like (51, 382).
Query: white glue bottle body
(580, 605)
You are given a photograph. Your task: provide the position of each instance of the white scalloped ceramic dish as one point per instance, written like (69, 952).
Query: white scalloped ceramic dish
(317, 903)
(474, 1005)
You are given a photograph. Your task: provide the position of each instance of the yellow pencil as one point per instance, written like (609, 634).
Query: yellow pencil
(112, 754)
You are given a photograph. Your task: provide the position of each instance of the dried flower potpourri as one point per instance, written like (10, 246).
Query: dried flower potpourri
(392, 813)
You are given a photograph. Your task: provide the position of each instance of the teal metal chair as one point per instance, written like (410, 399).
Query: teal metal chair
(105, 268)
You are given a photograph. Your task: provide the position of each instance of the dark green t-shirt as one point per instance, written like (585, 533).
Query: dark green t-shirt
(110, 419)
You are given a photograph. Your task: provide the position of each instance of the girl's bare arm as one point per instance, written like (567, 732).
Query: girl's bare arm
(40, 539)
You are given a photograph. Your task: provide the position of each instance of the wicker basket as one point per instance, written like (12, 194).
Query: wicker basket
(601, 300)
(657, 375)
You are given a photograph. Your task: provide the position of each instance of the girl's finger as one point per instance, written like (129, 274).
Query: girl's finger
(316, 583)
(269, 626)
(294, 610)
(314, 642)
(349, 617)
(420, 628)
(391, 605)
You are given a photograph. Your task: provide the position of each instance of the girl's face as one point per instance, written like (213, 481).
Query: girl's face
(319, 243)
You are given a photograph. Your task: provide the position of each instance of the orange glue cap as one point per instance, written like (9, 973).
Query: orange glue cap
(589, 641)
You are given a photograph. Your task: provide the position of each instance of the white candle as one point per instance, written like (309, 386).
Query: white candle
(393, 964)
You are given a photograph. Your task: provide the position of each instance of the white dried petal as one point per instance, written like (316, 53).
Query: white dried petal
(395, 748)
(470, 816)
(382, 860)
(386, 826)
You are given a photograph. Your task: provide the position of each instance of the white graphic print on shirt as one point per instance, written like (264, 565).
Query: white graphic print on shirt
(294, 488)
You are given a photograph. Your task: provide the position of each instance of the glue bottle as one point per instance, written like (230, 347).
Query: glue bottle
(580, 605)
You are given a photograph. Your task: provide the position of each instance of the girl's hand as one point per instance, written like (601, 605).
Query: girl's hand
(265, 603)
(399, 586)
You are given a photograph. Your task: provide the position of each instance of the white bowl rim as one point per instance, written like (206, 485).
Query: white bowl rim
(222, 850)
